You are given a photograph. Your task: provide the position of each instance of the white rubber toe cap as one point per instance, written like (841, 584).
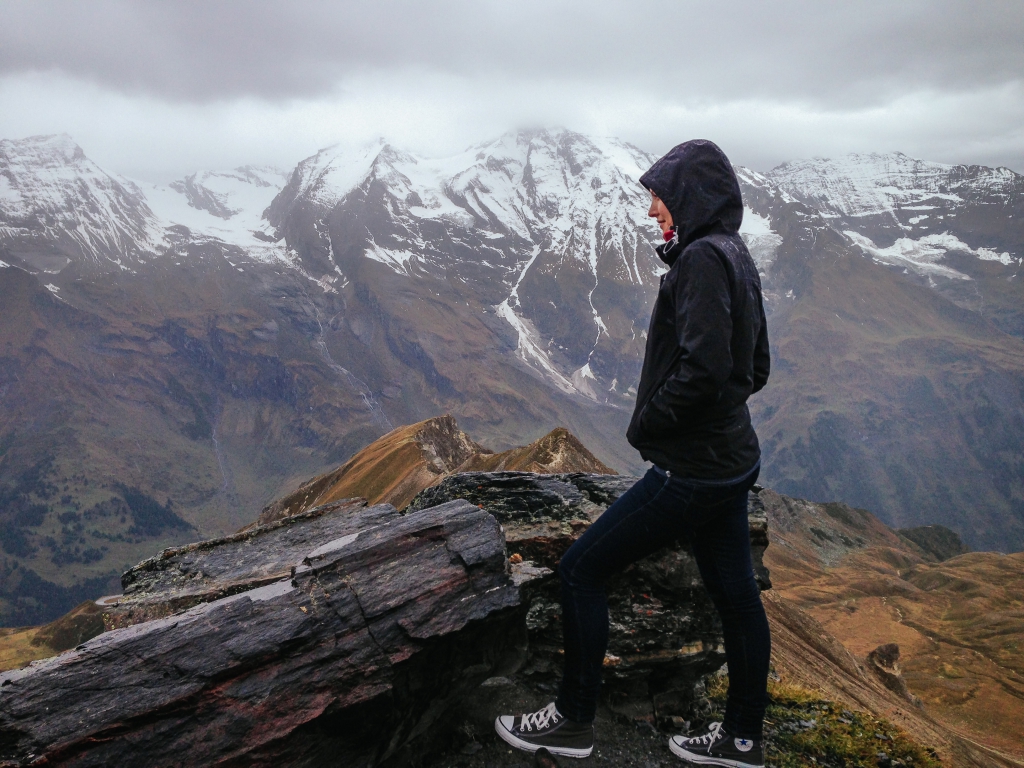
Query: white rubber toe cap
(507, 722)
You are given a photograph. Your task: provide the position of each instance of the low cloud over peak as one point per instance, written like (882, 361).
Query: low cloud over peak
(774, 80)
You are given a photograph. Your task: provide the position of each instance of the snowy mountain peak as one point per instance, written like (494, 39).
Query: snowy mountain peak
(325, 178)
(56, 205)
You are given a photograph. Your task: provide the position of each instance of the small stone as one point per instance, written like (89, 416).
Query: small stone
(883, 760)
(472, 748)
(679, 724)
(495, 682)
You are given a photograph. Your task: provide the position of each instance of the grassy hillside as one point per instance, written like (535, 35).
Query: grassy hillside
(959, 623)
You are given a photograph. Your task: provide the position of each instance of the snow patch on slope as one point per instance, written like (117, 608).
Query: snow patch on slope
(865, 184)
(531, 350)
(762, 241)
(922, 255)
(223, 205)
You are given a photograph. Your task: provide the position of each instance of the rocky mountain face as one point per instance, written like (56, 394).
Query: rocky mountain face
(175, 357)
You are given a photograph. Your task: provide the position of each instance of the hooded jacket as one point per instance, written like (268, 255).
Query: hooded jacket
(707, 345)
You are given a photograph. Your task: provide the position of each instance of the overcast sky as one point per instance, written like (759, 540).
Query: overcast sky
(155, 90)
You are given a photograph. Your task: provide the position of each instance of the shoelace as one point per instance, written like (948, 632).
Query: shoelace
(710, 736)
(540, 718)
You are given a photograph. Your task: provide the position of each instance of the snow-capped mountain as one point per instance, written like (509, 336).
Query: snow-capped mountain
(57, 206)
(549, 228)
(910, 213)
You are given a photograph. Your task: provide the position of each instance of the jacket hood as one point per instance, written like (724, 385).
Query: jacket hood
(696, 182)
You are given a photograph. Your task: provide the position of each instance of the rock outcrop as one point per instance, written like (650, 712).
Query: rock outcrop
(350, 658)
(344, 634)
(884, 663)
(936, 541)
(665, 634)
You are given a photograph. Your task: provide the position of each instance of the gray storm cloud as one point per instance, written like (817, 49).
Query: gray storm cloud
(777, 79)
(828, 52)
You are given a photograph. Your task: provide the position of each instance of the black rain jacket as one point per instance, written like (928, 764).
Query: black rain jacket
(707, 345)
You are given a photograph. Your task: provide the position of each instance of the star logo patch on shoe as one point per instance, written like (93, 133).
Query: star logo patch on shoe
(743, 745)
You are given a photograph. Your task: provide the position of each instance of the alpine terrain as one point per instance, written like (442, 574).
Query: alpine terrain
(175, 357)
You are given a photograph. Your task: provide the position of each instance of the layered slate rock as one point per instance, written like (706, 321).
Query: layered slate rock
(665, 633)
(351, 659)
(181, 577)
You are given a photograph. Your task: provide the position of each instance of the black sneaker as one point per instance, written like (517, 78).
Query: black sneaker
(546, 728)
(716, 747)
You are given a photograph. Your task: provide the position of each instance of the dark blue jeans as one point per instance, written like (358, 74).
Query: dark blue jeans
(655, 512)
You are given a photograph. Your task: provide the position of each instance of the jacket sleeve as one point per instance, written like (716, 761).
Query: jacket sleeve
(762, 355)
(703, 324)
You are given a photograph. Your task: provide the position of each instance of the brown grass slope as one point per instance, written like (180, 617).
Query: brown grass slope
(391, 469)
(558, 451)
(20, 645)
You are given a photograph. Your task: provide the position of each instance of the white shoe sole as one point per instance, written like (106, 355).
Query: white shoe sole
(693, 757)
(513, 740)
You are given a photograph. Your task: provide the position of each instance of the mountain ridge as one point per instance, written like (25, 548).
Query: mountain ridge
(396, 467)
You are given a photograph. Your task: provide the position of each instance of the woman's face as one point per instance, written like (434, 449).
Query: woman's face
(660, 212)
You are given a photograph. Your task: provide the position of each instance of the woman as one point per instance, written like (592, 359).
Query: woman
(707, 352)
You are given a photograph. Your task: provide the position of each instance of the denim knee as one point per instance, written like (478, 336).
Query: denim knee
(573, 574)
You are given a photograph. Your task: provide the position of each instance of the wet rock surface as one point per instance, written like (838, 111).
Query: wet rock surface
(181, 577)
(665, 633)
(352, 659)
